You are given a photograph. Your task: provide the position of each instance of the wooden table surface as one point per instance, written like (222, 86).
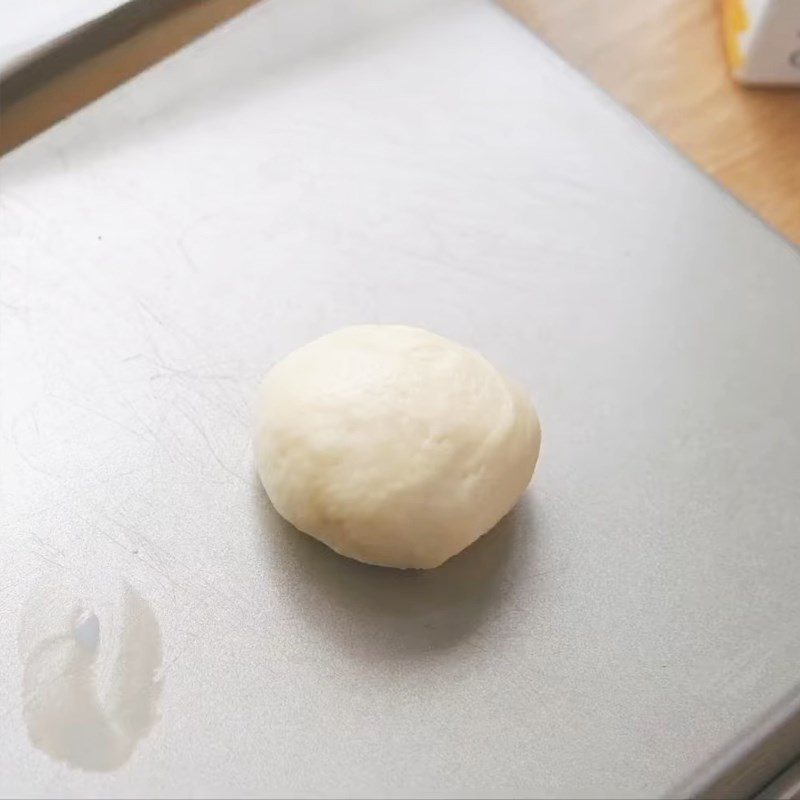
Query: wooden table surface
(661, 58)
(664, 60)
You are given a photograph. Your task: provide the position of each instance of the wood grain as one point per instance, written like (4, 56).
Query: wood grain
(664, 60)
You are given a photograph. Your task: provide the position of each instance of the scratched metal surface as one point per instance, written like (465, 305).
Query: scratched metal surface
(314, 164)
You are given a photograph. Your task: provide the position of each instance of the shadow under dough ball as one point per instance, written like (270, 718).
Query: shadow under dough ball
(393, 445)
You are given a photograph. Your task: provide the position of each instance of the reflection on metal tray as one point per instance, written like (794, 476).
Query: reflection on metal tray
(313, 164)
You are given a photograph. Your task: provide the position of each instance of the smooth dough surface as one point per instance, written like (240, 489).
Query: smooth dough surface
(393, 445)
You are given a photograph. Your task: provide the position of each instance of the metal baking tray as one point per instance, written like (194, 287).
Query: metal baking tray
(630, 630)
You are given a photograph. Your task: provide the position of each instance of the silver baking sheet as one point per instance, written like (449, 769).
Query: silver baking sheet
(314, 164)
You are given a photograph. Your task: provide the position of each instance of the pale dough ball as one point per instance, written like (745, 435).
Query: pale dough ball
(393, 445)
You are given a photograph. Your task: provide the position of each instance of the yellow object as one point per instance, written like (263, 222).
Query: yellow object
(734, 23)
(762, 40)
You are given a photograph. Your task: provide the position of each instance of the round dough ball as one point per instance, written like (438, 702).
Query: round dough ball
(393, 445)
